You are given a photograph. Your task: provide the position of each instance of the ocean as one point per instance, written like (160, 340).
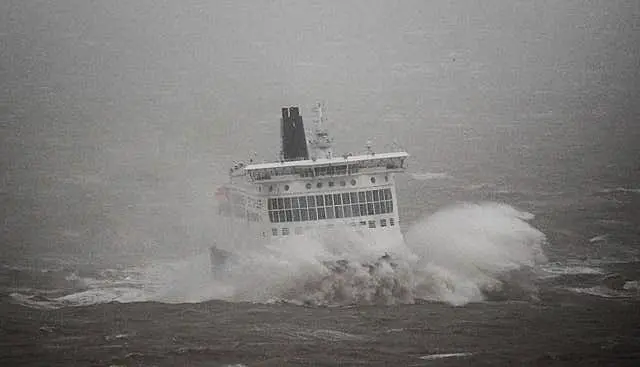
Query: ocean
(520, 208)
(558, 285)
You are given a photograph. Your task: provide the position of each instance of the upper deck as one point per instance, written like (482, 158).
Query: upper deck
(336, 166)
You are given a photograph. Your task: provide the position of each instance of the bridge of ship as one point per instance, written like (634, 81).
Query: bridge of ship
(337, 166)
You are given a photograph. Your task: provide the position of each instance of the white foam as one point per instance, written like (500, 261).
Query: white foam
(433, 357)
(632, 285)
(466, 248)
(430, 176)
(602, 291)
(621, 189)
(33, 302)
(453, 256)
(557, 269)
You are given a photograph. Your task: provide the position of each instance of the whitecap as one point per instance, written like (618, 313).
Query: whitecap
(432, 357)
(557, 269)
(430, 176)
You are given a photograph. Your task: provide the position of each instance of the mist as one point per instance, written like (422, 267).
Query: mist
(118, 119)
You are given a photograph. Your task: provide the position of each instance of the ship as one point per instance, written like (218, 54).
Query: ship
(309, 189)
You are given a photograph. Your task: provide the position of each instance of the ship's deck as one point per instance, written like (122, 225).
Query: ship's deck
(328, 161)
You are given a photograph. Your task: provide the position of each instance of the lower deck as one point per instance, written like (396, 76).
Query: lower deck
(279, 213)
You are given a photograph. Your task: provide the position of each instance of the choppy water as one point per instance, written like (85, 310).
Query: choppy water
(472, 283)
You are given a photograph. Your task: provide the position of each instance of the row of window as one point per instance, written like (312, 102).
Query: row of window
(329, 206)
(319, 185)
(339, 170)
(370, 224)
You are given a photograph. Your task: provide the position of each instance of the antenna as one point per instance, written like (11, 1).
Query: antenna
(321, 142)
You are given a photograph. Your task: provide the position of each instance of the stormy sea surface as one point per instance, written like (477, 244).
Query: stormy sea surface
(478, 283)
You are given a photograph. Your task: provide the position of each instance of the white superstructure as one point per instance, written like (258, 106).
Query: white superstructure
(314, 190)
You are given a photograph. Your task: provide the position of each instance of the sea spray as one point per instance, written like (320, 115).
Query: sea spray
(460, 254)
(469, 250)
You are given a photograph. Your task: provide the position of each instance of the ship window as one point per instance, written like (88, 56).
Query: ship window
(342, 183)
(386, 178)
(369, 196)
(347, 211)
(392, 222)
(355, 209)
(353, 182)
(337, 200)
(312, 214)
(286, 187)
(370, 209)
(328, 200)
(308, 186)
(331, 183)
(274, 231)
(321, 213)
(270, 204)
(319, 185)
(342, 205)
(373, 180)
(270, 188)
(285, 231)
(372, 224)
(383, 207)
(329, 211)
(383, 222)
(363, 222)
(345, 198)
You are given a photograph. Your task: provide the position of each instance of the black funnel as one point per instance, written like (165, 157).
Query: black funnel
(294, 141)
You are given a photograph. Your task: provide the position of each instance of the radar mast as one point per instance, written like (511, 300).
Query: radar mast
(321, 142)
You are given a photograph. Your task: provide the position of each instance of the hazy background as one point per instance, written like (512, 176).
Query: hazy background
(119, 118)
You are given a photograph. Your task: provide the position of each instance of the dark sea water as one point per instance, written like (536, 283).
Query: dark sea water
(520, 209)
(492, 306)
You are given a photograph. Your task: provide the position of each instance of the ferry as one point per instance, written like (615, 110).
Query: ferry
(309, 189)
